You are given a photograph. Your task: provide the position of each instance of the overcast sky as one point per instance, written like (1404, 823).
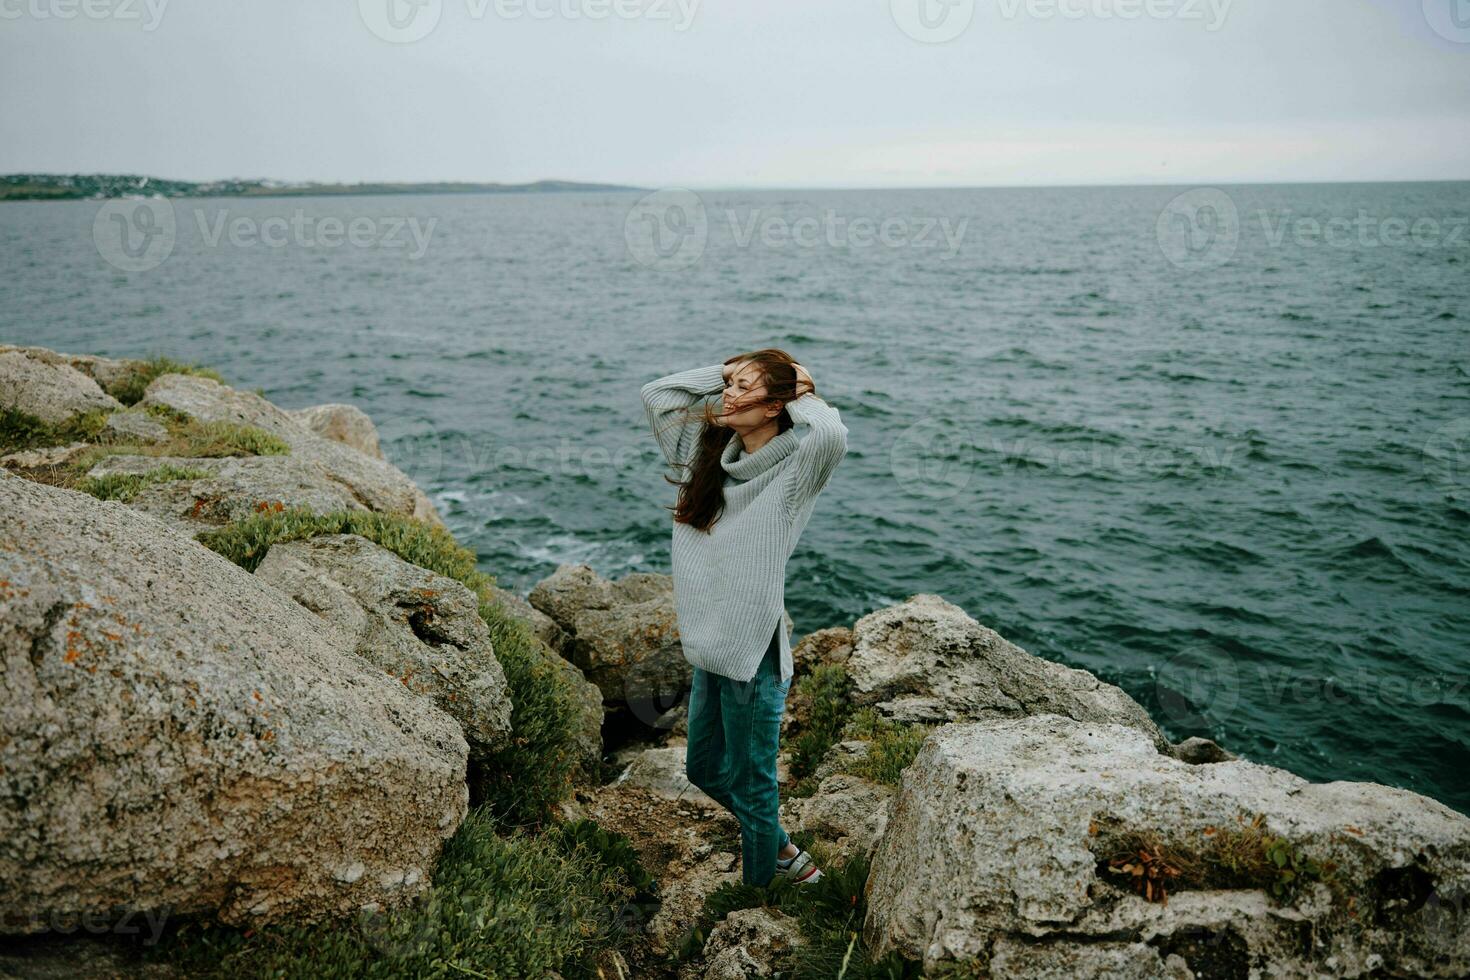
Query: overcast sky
(726, 93)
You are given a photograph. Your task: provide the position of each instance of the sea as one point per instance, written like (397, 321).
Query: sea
(1208, 443)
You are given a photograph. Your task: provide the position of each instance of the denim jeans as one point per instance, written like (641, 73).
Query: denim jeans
(734, 729)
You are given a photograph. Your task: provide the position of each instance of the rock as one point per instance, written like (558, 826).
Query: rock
(176, 734)
(683, 897)
(377, 484)
(346, 424)
(1067, 961)
(842, 756)
(750, 943)
(49, 456)
(422, 628)
(237, 487)
(106, 371)
(661, 770)
(52, 392)
(926, 660)
(832, 645)
(126, 426)
(1200, 752)
(623, 635)
(848, 813)
(1000, 828)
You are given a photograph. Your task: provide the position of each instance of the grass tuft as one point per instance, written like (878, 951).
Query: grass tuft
(126, 486)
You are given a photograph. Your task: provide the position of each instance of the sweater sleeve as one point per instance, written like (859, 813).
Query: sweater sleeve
(665, 398)
(820, 448)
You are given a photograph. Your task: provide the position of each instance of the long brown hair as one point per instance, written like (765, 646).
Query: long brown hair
(702, 492)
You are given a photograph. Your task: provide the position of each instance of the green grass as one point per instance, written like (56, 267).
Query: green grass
(126, 486)
(520, 782)
(825, 688)
(829, 718)
(129, 388)
(829, 913)
(502, 904)
(20, 431)
(891, 745)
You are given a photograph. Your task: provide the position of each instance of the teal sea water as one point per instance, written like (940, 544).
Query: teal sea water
(1201, 449)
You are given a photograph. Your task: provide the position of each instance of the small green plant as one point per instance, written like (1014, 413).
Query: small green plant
(126, 486)
(1244, 856)
(129, 388)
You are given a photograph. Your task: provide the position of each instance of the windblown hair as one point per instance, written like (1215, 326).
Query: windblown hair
(702, 491)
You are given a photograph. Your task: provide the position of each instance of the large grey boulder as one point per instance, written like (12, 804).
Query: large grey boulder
(377, 484)
(1002, 830)
(623, 635)
(926, 660)
(236, 487)
(52, 392)
(346, 424)
(424, 629)
(177, 734)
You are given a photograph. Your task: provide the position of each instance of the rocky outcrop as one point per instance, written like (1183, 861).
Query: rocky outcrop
(376, 484)
(236, 488)
(422, 628)
(346, 424)
(623, 635)
(177, 734)
(1001, 835)
(53, 392)
(926, 660)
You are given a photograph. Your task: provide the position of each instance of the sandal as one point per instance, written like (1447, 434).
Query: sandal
(802, 870)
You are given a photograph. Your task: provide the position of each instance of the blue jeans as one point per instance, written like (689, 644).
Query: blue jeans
(734, 730)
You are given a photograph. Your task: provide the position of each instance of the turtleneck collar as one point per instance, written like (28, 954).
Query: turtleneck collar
(743, 465)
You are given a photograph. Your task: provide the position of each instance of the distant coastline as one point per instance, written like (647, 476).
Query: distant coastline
(81, 187)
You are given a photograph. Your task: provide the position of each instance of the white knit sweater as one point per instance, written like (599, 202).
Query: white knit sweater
(730, 583)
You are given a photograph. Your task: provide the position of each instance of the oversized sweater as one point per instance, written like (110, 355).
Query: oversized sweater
(730, 582)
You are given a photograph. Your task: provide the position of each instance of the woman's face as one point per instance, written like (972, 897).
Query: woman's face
(747, 385)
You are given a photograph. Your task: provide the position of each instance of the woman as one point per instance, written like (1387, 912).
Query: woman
(751, 474)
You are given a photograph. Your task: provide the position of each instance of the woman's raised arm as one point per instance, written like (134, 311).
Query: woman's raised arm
(666, 398)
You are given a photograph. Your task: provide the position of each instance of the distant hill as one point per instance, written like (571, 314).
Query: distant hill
(64, 187)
